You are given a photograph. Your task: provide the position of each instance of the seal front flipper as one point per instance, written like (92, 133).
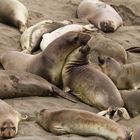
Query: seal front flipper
(58, 92)
(58, 129)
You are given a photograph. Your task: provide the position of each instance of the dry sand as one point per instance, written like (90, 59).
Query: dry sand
(127, 36)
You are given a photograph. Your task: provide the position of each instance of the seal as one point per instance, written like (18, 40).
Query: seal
(87, 83)
(9, 120)
(136, 133)
(49, 63)
(124, 76)
(15, 13)
(50, 37)
(85, 123)
(31, 37)
(102, 15)
(24, 84)
(102, 46)
(131, 100)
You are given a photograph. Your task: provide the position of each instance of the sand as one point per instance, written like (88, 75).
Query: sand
(127, 36)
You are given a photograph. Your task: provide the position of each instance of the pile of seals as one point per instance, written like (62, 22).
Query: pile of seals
(64, 63)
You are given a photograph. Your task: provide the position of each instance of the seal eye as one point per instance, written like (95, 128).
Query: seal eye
(108, 59)
(3, 129)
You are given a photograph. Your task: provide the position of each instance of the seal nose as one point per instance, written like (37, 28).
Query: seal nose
(8, 132)
(107, 26)
(101, 60)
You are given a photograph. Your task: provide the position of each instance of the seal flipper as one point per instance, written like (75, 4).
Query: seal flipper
(62, 94)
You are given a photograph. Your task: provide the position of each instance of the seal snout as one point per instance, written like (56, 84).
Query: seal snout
(8, 130)
(84, 38)
(101, 60)
(107, 26)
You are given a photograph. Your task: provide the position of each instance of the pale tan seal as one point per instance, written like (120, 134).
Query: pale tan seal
(102, 15)
(23, 84)
(131, 100)
(136, 133)
(49, 63)
(14, 12)
(85, 123)
(31, 37)
(50, 37)
(124, 76)
(9, 120)
(88, 83)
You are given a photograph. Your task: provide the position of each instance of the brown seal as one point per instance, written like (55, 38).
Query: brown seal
(49, 63)
(14, 12)
(124, 76)
(31, 38)
(85, 123)
(88, 83)
(131, 100)
(102, 15)
(102, 46)
(23, 84)
(9, 120)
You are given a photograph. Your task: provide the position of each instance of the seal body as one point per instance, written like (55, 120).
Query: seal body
(31, 38)
(21, 84)
(9, 120)
(49, 63)
(136, 133)
(67, 121)
(131, 100)
(101, 46)
(102, 15)
(88, 83)
(14, 12)
(50, 37)
(124, 76)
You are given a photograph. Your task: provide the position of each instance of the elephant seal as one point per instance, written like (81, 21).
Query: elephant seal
(15, 13)
(9, 120)
(49, 63)
(31, 37)
(131, 100)
(88, 83)
(136, 133)
(124, 76)
(85, 123)
(102, 15)
(102, 46)
(50, 37)
(23, 84)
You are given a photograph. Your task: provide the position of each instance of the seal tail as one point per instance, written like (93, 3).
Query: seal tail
(59, 92)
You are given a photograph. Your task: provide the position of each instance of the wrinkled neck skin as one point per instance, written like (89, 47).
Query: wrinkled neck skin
(77, 58)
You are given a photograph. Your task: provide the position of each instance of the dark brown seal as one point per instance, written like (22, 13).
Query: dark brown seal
(67, 121)
(14, 12)
(22, 84)
(124, 76)
(88, 83)
(49, 63)
(9, 120)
